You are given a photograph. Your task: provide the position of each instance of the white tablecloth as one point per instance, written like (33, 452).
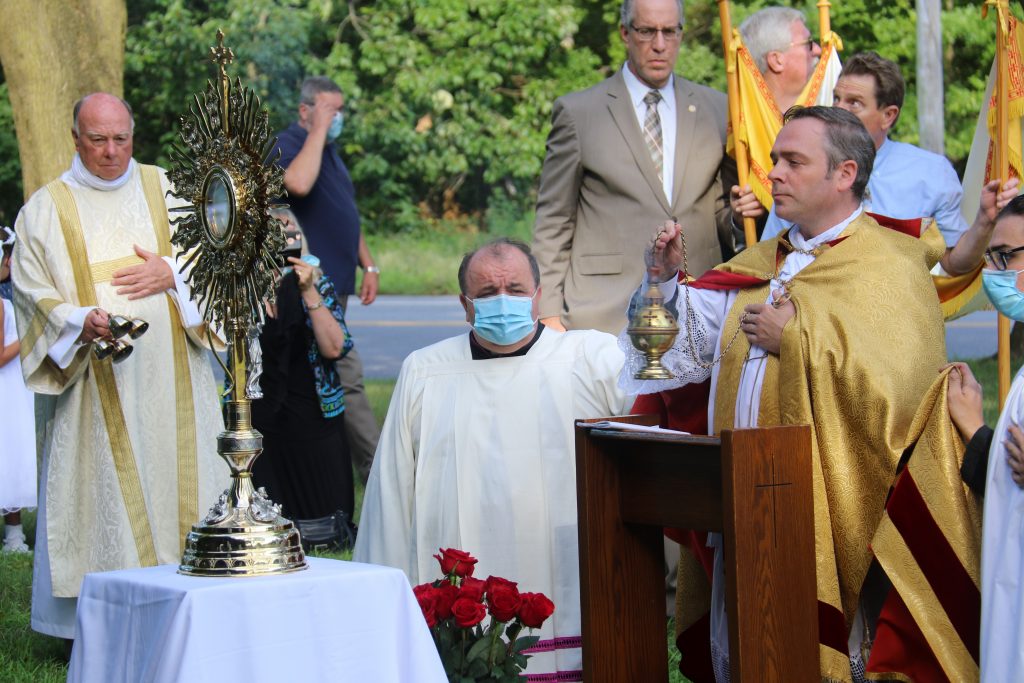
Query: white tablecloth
(336, 621)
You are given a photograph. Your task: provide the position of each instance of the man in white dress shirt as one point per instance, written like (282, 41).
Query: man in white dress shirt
(643, 145)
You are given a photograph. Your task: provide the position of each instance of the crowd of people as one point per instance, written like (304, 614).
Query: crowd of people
(831, 320)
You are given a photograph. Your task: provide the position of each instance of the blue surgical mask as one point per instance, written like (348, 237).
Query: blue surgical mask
(1001, 288)
(308, 258)
(503, 319)
(337, 123)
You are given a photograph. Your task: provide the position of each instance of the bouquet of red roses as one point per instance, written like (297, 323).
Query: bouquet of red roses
(455, 607)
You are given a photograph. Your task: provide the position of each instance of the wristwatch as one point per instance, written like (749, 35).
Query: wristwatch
(372, 269)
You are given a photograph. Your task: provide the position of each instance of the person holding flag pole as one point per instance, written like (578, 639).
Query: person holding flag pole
(770, 66)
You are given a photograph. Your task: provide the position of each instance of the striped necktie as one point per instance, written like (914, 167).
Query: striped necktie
(652, 131)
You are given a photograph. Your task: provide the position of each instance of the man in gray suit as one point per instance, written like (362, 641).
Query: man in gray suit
(623, 156)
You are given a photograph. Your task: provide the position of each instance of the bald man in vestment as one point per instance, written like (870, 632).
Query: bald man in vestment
(129, 458)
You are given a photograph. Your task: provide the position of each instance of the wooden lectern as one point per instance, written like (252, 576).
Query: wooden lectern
(753, 486)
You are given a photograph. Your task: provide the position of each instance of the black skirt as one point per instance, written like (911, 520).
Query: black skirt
(305, 465)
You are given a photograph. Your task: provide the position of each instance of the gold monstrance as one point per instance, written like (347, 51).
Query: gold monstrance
(231, 242)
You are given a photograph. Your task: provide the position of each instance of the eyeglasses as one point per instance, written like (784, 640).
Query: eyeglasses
(646, 34)
(1000, 260)
(809, 44)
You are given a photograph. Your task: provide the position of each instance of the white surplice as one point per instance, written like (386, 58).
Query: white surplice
(84, 517)
(1002, 556)
(479, 455)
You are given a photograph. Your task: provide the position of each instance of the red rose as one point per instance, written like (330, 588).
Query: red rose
(468, 613)
(472, 588)
(445, 596)
(496, 581)
(535, 609)
(455, 562)
(504, 601)
(426, 595)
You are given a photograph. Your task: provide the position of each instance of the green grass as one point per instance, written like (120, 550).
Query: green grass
(27, 657)
(426, 261)
(987, 373)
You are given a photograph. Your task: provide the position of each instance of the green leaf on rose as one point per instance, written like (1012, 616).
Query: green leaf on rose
(479, 649)
(524, 642)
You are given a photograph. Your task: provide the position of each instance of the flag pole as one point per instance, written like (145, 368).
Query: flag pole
(1002, 171)
(824, 22)
(733, 86)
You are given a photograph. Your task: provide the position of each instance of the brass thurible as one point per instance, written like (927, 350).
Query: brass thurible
(652, 330)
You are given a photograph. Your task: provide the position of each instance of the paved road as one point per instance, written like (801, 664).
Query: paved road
(973, 336)
(390, 328)
(393, 326)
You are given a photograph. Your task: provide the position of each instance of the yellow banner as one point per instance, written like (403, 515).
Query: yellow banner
(1014, 101)
(760, 118)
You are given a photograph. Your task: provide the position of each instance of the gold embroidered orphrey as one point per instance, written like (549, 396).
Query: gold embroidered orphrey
(228, 241)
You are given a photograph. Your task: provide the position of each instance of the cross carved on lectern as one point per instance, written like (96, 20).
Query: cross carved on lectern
(772, 485)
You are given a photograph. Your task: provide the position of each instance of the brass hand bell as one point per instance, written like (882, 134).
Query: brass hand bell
(120, 326)
(117, 349)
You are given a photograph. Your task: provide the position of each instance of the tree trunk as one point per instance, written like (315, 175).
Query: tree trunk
(53, 52)
(930, 116)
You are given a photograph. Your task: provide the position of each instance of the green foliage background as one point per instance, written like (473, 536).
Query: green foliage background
(449, 100)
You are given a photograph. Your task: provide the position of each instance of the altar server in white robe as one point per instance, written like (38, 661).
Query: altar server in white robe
(1002, 551)
(478, 449)
(129, 460)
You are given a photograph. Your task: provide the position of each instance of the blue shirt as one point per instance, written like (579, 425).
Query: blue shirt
(327, 215)
(906, 182)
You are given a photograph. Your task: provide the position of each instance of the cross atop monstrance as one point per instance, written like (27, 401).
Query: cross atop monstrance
(220, 55)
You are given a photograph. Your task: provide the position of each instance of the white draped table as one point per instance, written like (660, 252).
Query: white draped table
(336, 621)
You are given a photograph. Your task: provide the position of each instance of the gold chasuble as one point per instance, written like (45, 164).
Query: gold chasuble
(865, 345)
(929, 544)
(129, 448)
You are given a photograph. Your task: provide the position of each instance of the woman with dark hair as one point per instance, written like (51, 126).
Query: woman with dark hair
(305, 464)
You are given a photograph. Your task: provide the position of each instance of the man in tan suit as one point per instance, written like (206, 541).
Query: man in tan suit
(623, 156)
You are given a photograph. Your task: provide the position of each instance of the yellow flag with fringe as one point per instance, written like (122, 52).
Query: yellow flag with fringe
(760, 118)
(963, 294)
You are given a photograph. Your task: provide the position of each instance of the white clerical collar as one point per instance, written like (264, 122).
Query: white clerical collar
(638, 89)
(797, 239)
(79, 176)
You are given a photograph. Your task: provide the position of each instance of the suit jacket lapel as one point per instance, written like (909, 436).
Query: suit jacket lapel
(685, 122)
(621, 109)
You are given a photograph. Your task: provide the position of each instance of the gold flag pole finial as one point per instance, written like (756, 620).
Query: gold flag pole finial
(824, 22)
